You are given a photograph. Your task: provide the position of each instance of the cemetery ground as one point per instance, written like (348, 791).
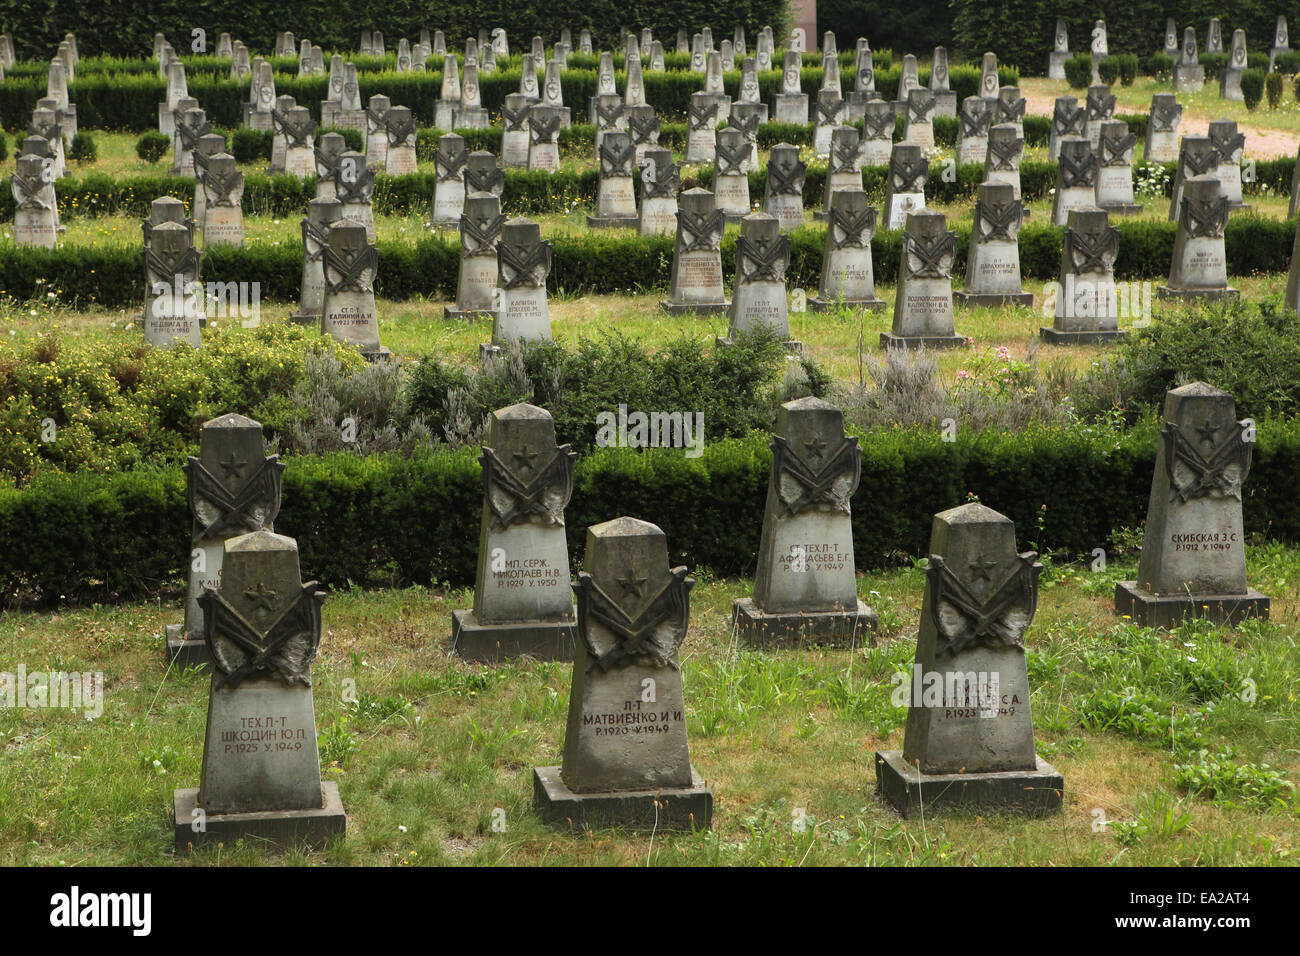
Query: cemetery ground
(1173, 744)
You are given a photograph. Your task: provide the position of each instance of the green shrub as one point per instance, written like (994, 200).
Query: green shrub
(1221, 779)
(1128, 67)
(1108, 70)
(1078, 71)
(4, 146)
(1252, 87)
(153, 146)
(1161, 67)
(1273, 88)
(83, 148)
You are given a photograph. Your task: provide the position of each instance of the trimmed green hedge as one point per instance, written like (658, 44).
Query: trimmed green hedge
(394, 520)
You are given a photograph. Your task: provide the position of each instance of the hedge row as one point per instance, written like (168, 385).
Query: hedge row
(110, 277)
(130, 101)
(394, 521)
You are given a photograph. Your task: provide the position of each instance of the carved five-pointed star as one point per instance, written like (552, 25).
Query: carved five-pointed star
(631, 584)
(262, 596)
(1207, 431)
(815, 446)
(231, 467)
(524, 458)
(981, 568)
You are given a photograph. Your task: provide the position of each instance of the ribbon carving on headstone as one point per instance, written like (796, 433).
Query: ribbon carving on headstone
(1001, 620)
(1218, 473)
(652, 635)
(515, 499)
(285, 647)
(821, 478)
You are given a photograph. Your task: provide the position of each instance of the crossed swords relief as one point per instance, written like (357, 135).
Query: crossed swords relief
(700, 231)
(524, 265)
(235, 512)
(820, 479)
(962, 619)
(758, 259)
(513, 499)
(615, 161)
(1078, 173)
(1217, 473)
(350, 272)
(998, 221)
(851, 231)
(1204, 218)
(929, 257)
(1092, 252)
(654, 633)
(285, 647)
(786, 178)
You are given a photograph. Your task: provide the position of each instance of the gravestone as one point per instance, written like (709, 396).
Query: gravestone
(698, 54)
(1196, 157)
(634, 90)
(1229, 143)
(1214, 37)
(829, 111)
(377, 132)
(223, 197)
(1193, 560)
(523, 605)
(377, 44)
(544, 138)
(224, 49)
(969, 740)
(208, 145)
(232, 488)
(783, 190)
(240, 62)
(1199, 269)
(487, 60)
(973, 130)
(1068, 119)
(763, 51)
(400, 128)
(1101, 108)
(351, 262)
(945, 100)
(351, 114)
(702, 118)
(470, 114)
(848, 277)
(366, 46)
(989, 80)
(918, 124)
(1230, 75)
(730, 180)
(656, 57)
(449, 161)
(696, 284)
(643, 126)
(177, 89)
(993, 260)
(1100, 49)
(1010, 108)
(611, 115)
(1076, 179)
(1170, 48)
(261, 778)
(321, 214)
(514, 131)
(354, 185)
(923, 300)
(745, 119)
(172, 298)
(1189, 74)
(483, 175)
(45, 125)
(1087, 306)
(439, 43)
(328, 152)
(877, 142)
(36, 210)
(56, 88)
(1162, 129)
(864, 83)
(909, 79)
(261, 92)
(660, 181)
(791, 104)
(905, 190)
(523, 263)
(843, 167)
(758, 298)
(553, 94)
(480, 231)
(1280, 42)
(1115, 169)
(805, 587)
(584, 42)
(279, 142)
(1060, 52)
(605, 85)
(615, 195)
(449, 95)
(626, 758)
(299, 131)
(749, 92)
(192, 123)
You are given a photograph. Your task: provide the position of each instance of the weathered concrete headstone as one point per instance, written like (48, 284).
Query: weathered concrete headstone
(523, 605)
(805, 587)
(830, 107)
(351, 113)
(1162, 129)
(177, 89)
(1010, 108)
(191, 124)
(696, 284)
(172, 304)
(261, 778)
(1060, 52)
(1230, 75)
(730, 180)
(480, 231)
(764, 50)
(514, 131)
(634, 90)
(702, 118)
(321, 214)
(354, 185)
(299, 131)
(349, 316)
(1087, 305)
(643, 126)
(993, 260)
(605, 85)
(945, 100)
(1100, 49)
(45, 125)
(400, 127)
(279, 141)
(864, 83)
(989, 80)
(791, 104)
(969, 740)
(240, 61)
(1214, 37)
(615, 194)
(223, 197)
(544, 138)
(1229, 143)
(843, 167)
(626, 758)
(1189, 74)
(1281, 43)
(660, 181)
(483, 175)
(1170, 48)
(848, 276)
(973, 130)
(908, 80)
(36, 209)
(261, 96)
(584, 42)
(327, 154)
(377, 132)
(1068, 119)
(611, 115)
(1193, 560)
(918, 120)
(523, 263)
(909, 171)
(1196, 157)
(553, 93)
(877, 143)
(1076, 179)
(1115, 169)
(1199, 269)
(923, 301)
(449, 95)
(783, 190)
(1101, 108)
(656, 57)
(758, 298)
(470, 114)
(208, 145)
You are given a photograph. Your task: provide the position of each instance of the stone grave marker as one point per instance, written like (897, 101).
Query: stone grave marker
(299, 143)
(702, 117)
(864, 83)
(1010, 108)
(177, 89)
(1101, 108)
(696, 284)
(480, 231)
(449, 160)
(643, 126)
(1162, 129)
(523, 263)
(173, 303)
(945, 100)
(905, 191)
(1060, 52)
(223, 197)
(349, 316)
(1068, 119)
(400, 128)
(848, 277)
(791, 104)
(514, 131)
(1087, 305)
(192, 124)
(36, 210)
(730, 180)
(1230, 75)
(208, 145)
(1196, 157)
(321, 214)
(544, 138)
(758, 298)
(377, 132)
(923, 301)
(1115, 169)
(354, 185)
(993, 260)
(973, 130)
(918, 125)
(1100, 48)
(877, 143)
(1189, 74)
(660, 181)
(783, 190)
(257, 111)
(1170, 48)
(553, 93)
(327, 154)
(449, 95)
(470, 114)
(1076, 179)
(909, 79)
(1199, 269)
(615, 195)
(1229, 144)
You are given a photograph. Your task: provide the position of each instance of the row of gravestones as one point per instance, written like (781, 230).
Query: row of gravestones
(968, 740)
(1189, 74)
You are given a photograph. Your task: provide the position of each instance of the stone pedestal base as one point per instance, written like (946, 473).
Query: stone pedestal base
(888, 340)
(1121, 208)
(972, 300)
(1056, 64)
(1095, 337)
(543, 640)
(1193, 295)
(673, 808)
(1153, 610)
(796, 629)
(469, 315)
(613, 222)
(182, 653)
(283, 829)
(1035, 792)
(379, 355)
(699, 308)
(305, 318)
(817, 304)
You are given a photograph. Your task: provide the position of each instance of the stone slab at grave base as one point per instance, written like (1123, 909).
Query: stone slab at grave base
(181, 653)
(975, 300)
(1164, 292)
(379, 356)
(1036, 792)
(440, 225)
(304, 318)
(699, 308)
(1154, 610)
(544, 641)
(469, 315)
(613, 222)
(791, 346)
(816, 304)
(1234, 205)
(798, 629)
(1098, 337)
(284, 829)
(1121, 208)
(888, 340)
(670, 808)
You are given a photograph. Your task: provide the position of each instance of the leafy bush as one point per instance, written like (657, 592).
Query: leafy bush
(1128, 67)
(1252, 87)
(1221, 779)
(1078, 71)
(1108, 70)
(1273, 88)
(153, 146)
(83, 148)
(1161, 67)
